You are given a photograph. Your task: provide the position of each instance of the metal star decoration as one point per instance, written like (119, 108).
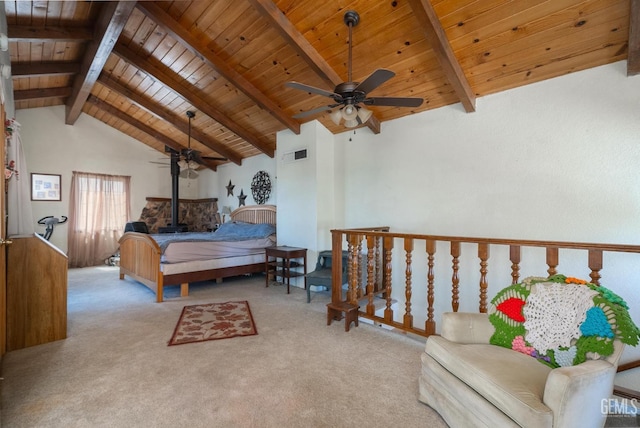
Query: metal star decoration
(241, 198)
(230, 188)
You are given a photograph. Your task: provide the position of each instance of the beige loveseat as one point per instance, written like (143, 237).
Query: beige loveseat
(474, 384)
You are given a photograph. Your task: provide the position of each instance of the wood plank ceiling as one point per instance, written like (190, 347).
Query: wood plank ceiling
(139, 67)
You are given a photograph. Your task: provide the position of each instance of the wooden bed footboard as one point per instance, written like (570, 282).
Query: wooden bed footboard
(140, 259)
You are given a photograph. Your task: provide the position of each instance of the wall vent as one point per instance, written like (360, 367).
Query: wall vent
(294, 156)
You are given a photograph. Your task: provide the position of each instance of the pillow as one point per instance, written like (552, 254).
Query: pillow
(239, 230)
(561, 320)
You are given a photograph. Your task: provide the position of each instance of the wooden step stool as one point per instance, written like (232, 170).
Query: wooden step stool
(335, 310)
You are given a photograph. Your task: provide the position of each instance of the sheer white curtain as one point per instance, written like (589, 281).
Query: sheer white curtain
(99, 209)
(20, 215)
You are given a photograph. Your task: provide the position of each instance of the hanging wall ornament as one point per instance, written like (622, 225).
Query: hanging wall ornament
(230, 188)
(261, 187)
(241, 198)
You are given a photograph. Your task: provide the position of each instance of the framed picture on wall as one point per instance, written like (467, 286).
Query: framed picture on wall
(45, 187)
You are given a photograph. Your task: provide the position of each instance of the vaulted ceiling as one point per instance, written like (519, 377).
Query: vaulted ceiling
(139, 67)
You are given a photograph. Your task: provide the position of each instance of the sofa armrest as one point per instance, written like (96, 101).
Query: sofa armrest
(575, 393)
(466, 327)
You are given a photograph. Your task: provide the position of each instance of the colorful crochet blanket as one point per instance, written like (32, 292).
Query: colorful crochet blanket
(561, 321)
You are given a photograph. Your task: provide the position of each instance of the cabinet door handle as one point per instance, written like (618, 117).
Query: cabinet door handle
(5, 241)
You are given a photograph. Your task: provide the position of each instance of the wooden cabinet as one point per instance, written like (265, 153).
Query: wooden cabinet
(36, 293)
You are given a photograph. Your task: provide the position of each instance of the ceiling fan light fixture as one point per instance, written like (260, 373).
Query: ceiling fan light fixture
(187, 164)
(349, 112)
(364, 114)
(351, 123)
(336, 116)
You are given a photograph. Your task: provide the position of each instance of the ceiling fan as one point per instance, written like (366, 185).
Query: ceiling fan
(352, 96)
(189, 160)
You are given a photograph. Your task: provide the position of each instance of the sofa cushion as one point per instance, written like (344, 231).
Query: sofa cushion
(511, 381)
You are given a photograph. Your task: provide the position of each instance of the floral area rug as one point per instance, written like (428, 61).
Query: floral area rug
(212, 321)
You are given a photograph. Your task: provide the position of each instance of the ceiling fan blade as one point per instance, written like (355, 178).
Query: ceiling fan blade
(193, 155)
(314, 111)
(374, 80)
(196, 156)
(312, 89)
(214, 158)
(393, 101)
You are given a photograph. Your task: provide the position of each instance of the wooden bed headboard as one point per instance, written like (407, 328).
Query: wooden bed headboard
(255, 214)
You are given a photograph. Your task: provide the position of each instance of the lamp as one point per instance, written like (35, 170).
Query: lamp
(353, 115)
(184, 164)
(336, 116)
(364, 114)
(349, 112)
(226, 210)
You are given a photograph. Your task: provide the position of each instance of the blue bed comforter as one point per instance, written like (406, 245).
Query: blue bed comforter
(226, 232)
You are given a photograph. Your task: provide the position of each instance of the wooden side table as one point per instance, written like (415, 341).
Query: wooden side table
(278, 262)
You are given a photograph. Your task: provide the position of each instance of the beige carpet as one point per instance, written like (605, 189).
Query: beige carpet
(116, 370)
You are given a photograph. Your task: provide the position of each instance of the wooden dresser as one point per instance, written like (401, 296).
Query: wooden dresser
(36, 292)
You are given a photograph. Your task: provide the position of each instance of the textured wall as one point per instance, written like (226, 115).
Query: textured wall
(200, 215)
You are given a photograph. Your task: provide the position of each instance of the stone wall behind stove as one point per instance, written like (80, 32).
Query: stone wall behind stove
(200, 215)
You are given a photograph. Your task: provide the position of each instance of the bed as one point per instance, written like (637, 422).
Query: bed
(143, 259)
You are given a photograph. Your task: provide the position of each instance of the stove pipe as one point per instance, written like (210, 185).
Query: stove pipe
(175, 199)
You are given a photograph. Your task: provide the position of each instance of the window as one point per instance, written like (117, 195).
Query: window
(99, 209)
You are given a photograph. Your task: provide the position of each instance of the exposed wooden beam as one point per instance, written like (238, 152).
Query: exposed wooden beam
(269, 10)
(297, 41)
(41, 94)
(155, 109)
(119, 114)
(23, 33)
(109, 25)
(200, 49)
(170, 79)
(433, 31)
(44, 69)
(633, 58)
(373, 124)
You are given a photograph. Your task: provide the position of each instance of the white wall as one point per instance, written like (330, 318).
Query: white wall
(240, 177)
(51, 147)
(306, 208)
(556, 160)
(553, 160)
(305, 193)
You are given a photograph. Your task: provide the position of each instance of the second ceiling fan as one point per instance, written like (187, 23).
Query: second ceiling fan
(189, 158)
(353, 96)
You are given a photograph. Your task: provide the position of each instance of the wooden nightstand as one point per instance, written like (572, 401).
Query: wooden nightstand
(278, 262)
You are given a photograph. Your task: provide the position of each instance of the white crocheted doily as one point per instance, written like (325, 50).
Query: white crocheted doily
(553, 314)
